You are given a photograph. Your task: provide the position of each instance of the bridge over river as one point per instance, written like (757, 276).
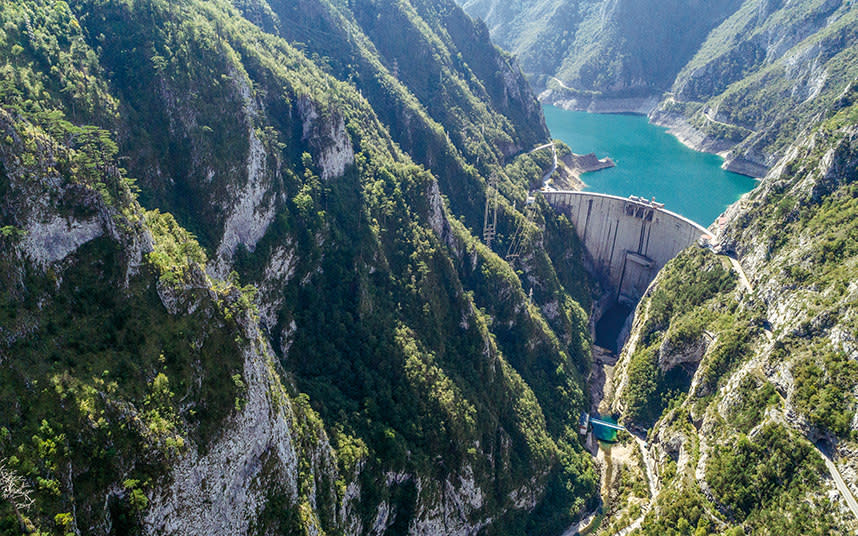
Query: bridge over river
(627, 240)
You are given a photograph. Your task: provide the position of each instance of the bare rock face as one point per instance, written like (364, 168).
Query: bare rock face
(222, 491)
(438, 218)
(53, 240)
(673, 354)
(54, 217)
(329, 138)
(573, 100)
(448, 507)
(252, 212)
(254, 205)
(692, 136)
(451, 506)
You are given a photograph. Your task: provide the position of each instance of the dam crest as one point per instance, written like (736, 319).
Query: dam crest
(626, 240)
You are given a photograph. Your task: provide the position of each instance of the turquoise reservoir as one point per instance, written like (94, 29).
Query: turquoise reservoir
(650, 162)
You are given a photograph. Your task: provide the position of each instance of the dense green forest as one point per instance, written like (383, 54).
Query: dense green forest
(244, 290)
(239, 243)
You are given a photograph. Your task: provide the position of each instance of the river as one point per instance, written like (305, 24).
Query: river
(650, 163)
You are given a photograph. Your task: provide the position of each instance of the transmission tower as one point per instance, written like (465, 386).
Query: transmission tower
(517, 243)
(491, 218)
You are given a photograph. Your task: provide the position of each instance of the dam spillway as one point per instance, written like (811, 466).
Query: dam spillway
(627, 240)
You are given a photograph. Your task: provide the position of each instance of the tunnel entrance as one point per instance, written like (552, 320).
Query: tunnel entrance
(610, 325)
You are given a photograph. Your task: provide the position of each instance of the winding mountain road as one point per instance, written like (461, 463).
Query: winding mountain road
(743, 278)
(585, 522)
(649, 464)
(839, 482)
(546, 146)
(548, 175)
(710, 114)
(844, 490)
(560, 82)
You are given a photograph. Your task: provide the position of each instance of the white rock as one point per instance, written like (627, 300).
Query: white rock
(53, 240)
(251, 214)
(221, 492)
(253, 210)
(330, 139)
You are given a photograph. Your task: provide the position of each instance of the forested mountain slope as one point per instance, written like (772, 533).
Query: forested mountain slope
(742, 388)
(761, 77)
(741, 371)
(622, 51)
(284, 322)
(740, 78)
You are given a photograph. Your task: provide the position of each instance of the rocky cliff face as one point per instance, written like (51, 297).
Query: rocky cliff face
(739, 78)
(285, 324)
(83, 235)
(746, 386)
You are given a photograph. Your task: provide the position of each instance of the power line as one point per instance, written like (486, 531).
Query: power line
(490, 220)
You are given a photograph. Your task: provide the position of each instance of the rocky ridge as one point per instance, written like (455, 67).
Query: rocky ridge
(738, 78)
(295, 364)
(748, 378)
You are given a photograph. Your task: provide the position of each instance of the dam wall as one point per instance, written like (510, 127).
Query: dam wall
(627, 240)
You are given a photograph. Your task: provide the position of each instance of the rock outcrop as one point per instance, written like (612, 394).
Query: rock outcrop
(285, 324)
(751, 383)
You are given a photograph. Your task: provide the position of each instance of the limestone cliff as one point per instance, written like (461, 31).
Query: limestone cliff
(86, 238)
(285, 323)
(744, 385)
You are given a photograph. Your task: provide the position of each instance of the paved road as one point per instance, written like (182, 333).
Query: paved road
(546, 146)
(585, 522)
(548, 175)
(636, 524)
(553, 167)
(651, 479)
(743, 279)
(564, 86)
(710, 116)
(840, 483)
(745, 283)
(829, 464)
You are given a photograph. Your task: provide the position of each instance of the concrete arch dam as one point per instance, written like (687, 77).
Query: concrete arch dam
(627, 240)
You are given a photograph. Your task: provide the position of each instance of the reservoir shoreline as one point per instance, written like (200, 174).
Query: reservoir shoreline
(650, 162)
(677, 125)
